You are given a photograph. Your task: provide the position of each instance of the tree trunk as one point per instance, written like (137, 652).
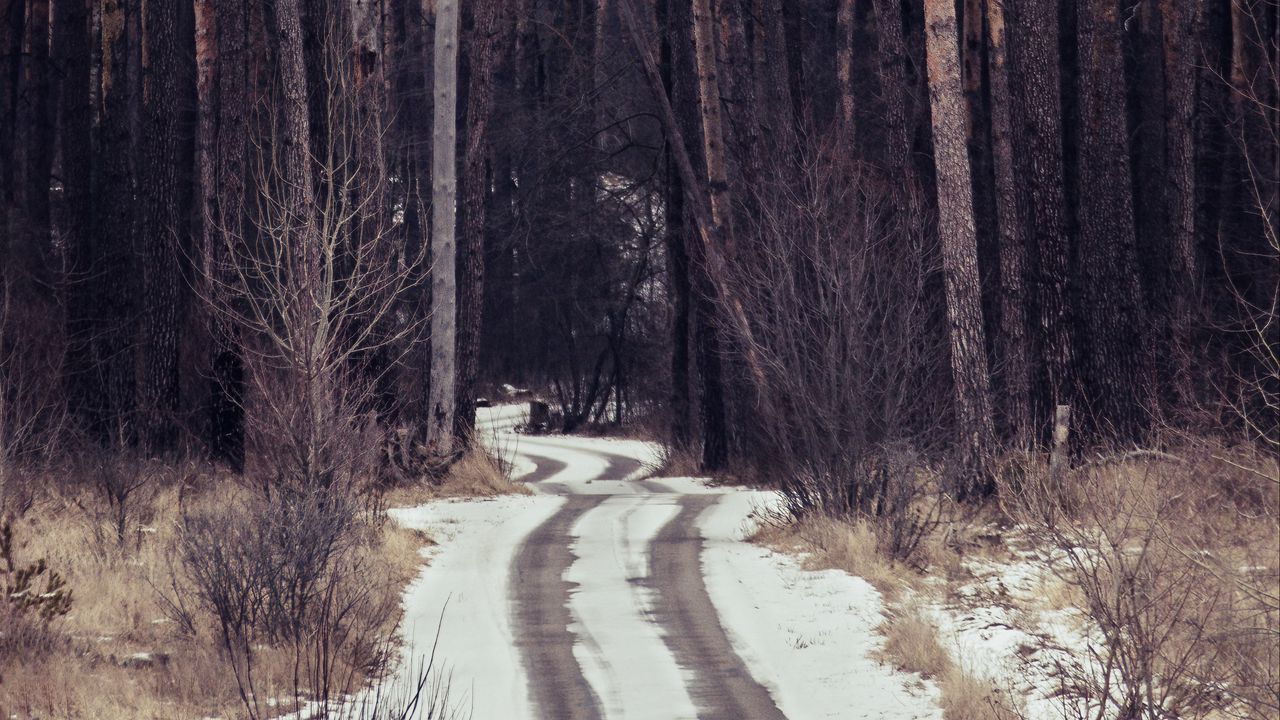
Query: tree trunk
(75, 117)
(712, 126)
(484, 52)
(230, 166)
(844, 64)
(1037, 145)
(678, 270)
(38, 145)
(1117, 364)
(295, 131)
(1012, 347)
(959, 246)
(440, 422)
(160, 225)
(114, 270)
(895, 89)
(1181, 23)
(12, 21)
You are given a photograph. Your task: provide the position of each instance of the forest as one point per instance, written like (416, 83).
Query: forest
(930, 271)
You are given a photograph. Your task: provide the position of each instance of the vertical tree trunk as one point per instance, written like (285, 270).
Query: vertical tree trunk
(440, 422)
(1117, 363)
(1012, 347)
(113, 280)
(159, 226)
(75, 116)
(678, 269)
(40, 94)
(228, 115)
(894, 88)
(295, 131)
(1181, 23)
(709, 107)
(484, 52)
(12, 20)
(1037, 144)
(959, 245)
(844, 63)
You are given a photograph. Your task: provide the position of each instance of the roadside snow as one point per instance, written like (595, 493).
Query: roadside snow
(808, 636)
(465, 582)
(619, 646)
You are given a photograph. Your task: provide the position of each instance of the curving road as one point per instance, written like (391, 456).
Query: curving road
(609, 609)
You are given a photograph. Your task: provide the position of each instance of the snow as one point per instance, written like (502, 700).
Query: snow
(465, 582)
(620, 649)
(808, 636)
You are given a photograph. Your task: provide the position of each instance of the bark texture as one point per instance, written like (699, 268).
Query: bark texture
(485, 52)
(1116, 362)
(443, 394)
(959, 245)
(1012, 346)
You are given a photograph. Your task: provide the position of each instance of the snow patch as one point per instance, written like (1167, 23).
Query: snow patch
(466, 584)
(808, 636)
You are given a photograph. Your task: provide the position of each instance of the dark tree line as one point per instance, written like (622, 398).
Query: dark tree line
(1077, 201)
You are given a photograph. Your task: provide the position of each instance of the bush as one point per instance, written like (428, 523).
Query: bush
(34, 596)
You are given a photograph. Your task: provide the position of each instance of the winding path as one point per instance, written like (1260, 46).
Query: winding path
(609, 608)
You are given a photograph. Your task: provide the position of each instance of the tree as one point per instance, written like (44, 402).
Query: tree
(1012, 343)
(959, 246)
(1042, 202)
(485, 51)
(1116, 359)
(440, 422)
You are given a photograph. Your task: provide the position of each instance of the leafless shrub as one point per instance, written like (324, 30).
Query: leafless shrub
(1179, 631)
(835, 283)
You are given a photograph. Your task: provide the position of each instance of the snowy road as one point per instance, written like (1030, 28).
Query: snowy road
(591, 599)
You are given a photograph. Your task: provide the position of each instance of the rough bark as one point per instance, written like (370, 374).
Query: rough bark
(112, 280)
(75, 117)
(38, 145)
(295, 120)
(159, 226)
(710, 111)
(1181, 24)
(844, 63)
(1116, 361)
(1012, 345)
(443, 394)
(1037, 145)
(484, 52)
(891, 59)
(12, 20)
(226, 388)
(959, 246)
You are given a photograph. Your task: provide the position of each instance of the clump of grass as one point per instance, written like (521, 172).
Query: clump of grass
(827, 542)
(912, 644)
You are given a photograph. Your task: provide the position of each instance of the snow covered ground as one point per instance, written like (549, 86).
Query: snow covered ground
(809, 638)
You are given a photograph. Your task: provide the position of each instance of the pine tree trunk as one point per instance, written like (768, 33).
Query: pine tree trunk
(113, 279)
(894, 88)
(1037, 147)
(485, 51)
(844, 63)
(160, 226)
(709, 108)
(40, 93)
(1117, 364)
(229, 116)
(959, 246)
(1181, 23)
(75, 117)
(440, 421)
(295, 133)
(1012, 347)
(678, 270)
(12, 20)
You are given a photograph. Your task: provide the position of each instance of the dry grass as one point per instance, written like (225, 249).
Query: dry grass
(86, 668)
(477, 474)
(826, 542)
(911, 644)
